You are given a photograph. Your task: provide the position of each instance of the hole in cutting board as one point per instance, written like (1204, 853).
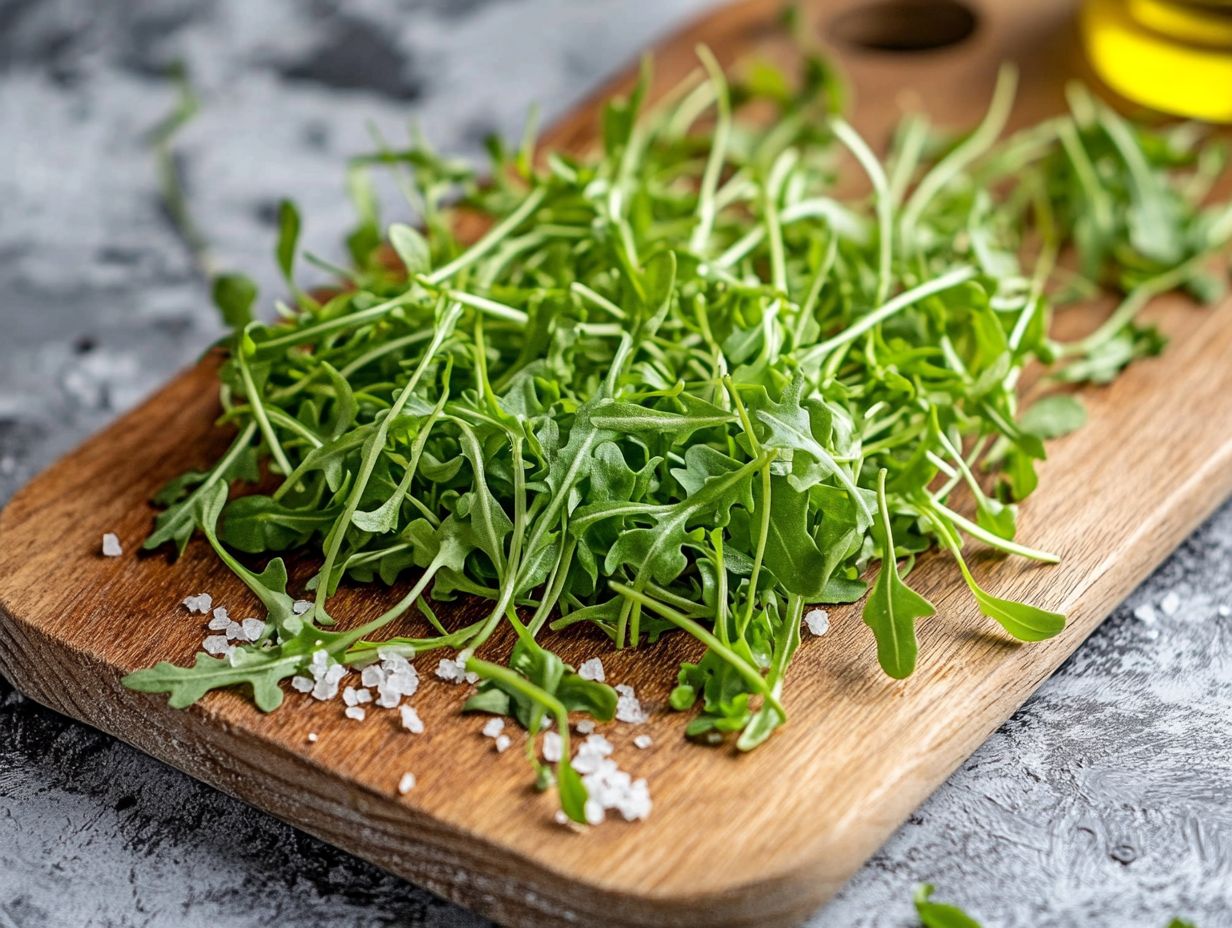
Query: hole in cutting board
(904, 25)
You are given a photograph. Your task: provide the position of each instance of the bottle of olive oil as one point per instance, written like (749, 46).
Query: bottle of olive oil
(1171, 55)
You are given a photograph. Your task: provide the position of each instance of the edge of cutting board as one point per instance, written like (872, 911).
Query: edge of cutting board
(860, 752)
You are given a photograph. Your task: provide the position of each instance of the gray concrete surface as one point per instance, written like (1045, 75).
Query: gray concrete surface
(1105, 802)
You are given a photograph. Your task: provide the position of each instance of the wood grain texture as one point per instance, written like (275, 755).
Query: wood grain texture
(734, 840)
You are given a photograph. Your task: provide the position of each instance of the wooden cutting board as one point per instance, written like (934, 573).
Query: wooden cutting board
(760, 839)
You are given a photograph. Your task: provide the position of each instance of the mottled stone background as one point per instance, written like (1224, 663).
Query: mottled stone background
(1106, 801)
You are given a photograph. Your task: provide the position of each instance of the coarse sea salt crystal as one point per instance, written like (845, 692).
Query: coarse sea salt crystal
(111, 545)
(502, 743)
(551, 747)
(253, 629)
(593, 812)
(200, 603)
(643, 741)
(219, 623)
(453, 670)
(302, 684)
(493, 726)
(312, 737)
(628, 708)
(216, 645)
(355, 712)
(406, 784)
(591, 669)
(1145, 613)
(1224, 611)
(234, 631)
(411, 720)
(1170, 603)
(220, 613)
(585, 726)
(372, 675)
(817, 621)
(300, 606)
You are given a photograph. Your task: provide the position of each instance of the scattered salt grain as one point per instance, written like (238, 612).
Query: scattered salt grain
(111, 545)
(1225, 611)
(326, 675)
(493, 726)
(593, 812)
(502, 743)
(372, 675)
(585, 727)
(1145, 613)
(253, 629)
(628, 708)
(312, 737)
(643, 741)
(355, 712)
(817, 621)
(216, 645)
(1170, 603)
(220, 615)
(453, 670)
(199, 604)
(234, 631)
(219, 623)
(406, 784)
(551, 747)
(591, 669)
(411, 720)
(561, 818)
(302, 684)
(300, 606)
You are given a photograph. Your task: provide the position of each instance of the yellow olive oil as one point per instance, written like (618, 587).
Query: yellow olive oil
(1171, 55)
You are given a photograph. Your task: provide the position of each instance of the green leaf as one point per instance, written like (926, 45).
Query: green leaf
(1054, 416)
(234, 295)
(938, 914)
(288, 239)
(892, 607)
(412, 249)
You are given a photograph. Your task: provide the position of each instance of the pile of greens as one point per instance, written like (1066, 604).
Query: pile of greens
(682, 384)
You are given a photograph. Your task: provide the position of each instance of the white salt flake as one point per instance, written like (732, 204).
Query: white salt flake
(216, 645)
(406, 784)
(593, 812)
(453, 670)
(220, 613)
(253, 629)
(1170, 603)
(355, 712)
(591, 669)
(234, 631)
(300, 606)
(551, 747)
(643, 741)
(200, 603)
(585, 726)
(302, 684)
(312, 737)
(502, 743)
(1145, 613)
(628, 708)
(561, 818)
(411, 720)
(817, 621)
(372, 675)
(219, 623)
(111, 545)
(350, 696)
(493, 726)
